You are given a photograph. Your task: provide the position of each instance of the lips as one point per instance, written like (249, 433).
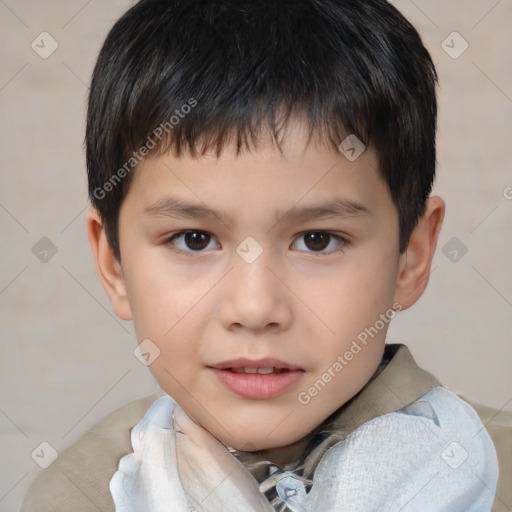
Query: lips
(267, 362)
(257, 379)
(261, 371)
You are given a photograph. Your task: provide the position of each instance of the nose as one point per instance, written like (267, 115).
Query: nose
(254, 299)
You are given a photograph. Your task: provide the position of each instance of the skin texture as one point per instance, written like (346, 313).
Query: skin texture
(293, 302)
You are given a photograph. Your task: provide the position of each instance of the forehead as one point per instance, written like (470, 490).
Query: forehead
(307, 175)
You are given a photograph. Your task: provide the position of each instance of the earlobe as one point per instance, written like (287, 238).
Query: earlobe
(108, 267)
(415, 263)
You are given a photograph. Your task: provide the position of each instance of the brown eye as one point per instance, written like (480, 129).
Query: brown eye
(320, 242)
(192, 241)
(197, 240)
(317, 240)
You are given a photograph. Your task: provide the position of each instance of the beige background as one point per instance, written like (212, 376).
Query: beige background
(66, 361)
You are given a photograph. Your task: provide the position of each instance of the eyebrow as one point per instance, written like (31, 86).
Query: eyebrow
(335, 208)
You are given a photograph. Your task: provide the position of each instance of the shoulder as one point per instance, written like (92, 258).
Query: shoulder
(498, 424)
(434, 453)
(78, 480)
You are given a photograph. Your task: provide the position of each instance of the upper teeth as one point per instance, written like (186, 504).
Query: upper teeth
(254, 370)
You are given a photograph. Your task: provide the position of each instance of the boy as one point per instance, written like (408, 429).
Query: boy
(260, 175)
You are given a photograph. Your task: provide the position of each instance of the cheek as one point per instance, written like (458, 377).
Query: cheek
(164, 301)
(169, 311)
(351, 299)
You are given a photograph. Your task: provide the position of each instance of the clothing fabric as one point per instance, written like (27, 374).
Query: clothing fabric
(79, 479)
(433, 455)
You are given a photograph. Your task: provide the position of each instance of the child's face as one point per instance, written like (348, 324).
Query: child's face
(302, 301)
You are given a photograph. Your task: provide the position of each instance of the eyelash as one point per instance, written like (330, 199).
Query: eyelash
(343, 242)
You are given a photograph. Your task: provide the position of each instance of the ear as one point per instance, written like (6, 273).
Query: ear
(415, 263)
(107, 266)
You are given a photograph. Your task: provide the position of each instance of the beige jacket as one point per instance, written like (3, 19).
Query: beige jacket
(78, 481)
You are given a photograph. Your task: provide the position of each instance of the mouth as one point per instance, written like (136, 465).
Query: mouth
(257, 379)
(265, 365)
(261, 371)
